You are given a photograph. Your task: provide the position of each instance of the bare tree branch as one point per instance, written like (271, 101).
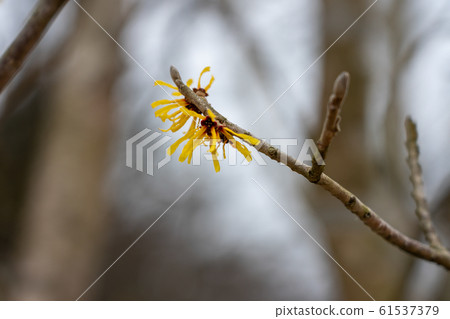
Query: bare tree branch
(14, 57)
(331, 124)
(351, 202)
(418, 193)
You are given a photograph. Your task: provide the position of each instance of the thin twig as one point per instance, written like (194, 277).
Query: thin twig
(14, 57)
(353, 204)
(418, 193)
(331, 124)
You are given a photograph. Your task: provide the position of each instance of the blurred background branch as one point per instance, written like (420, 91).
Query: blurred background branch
(13, 58)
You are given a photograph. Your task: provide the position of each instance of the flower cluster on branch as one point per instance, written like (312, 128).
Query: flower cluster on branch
(203, 129)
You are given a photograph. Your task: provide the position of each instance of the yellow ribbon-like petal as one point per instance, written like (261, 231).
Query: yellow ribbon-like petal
(213, 149)
(213, 141)
(165, 84)
(223, 150)
(209, 84)
(211, 114)
(192, 144)
(206, 69)
(216, 162)
(181, 102)
(243, 150)
(163, 111)
(252, 140)
(192, 113)
(196, 142)
(187, 136)
(178, 124)
(227, 135)
(171, 117)
(175, 115)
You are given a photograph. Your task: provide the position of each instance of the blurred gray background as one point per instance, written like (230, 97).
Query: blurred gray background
(69, 206)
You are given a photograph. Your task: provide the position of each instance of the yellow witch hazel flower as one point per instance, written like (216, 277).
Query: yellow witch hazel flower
(179, 117)
(211, 133)
(203, 130)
